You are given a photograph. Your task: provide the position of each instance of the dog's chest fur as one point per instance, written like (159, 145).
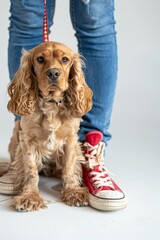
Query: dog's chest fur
(49, 133)
(52, 126)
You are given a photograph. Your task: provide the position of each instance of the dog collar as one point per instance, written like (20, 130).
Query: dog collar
(57, 102)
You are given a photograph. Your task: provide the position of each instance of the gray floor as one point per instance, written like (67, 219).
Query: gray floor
(138, 177)
(134, 152)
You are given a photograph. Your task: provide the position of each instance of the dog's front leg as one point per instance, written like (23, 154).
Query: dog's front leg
(29, 199)
(73, 193)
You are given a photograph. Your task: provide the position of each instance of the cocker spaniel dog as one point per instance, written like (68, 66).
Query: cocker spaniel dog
(50, 94)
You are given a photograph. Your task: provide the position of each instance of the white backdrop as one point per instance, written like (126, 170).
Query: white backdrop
(136, 114)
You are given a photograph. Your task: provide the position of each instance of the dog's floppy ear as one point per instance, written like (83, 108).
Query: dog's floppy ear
(79, 93)
(22, 88)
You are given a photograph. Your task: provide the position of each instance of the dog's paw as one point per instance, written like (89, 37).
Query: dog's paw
(27, 202)
(76, 197)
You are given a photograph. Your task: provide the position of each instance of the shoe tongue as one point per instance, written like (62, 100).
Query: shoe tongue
(94, 137)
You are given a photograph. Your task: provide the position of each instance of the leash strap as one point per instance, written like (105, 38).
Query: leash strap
(45, 24)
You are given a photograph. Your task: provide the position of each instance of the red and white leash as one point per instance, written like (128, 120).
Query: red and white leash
(45, 24)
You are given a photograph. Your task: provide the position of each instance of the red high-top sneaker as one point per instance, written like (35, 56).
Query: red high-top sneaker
(104, 193)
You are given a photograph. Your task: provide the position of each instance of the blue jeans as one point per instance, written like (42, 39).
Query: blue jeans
(94, 25)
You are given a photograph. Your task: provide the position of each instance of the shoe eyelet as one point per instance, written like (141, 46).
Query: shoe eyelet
(89, 175)
(95, 186)
(91, 180)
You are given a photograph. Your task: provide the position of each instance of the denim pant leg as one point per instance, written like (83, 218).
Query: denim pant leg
(25, 30)
(94, 26)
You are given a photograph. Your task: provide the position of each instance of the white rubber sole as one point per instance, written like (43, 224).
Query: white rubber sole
(107, 205)
(7, 185)
(9, 189)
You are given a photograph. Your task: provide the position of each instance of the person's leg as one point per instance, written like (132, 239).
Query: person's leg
(25, 32)
(95, 30)
(94, 25)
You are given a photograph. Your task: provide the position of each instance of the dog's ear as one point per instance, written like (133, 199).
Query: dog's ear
(22, 88)
(79, 93)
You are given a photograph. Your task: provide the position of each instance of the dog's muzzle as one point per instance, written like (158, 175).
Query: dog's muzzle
(53, 74)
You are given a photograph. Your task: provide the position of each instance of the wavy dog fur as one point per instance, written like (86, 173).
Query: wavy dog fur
(50, 109)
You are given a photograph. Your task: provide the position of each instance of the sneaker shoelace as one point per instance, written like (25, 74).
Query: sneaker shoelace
(94, 158)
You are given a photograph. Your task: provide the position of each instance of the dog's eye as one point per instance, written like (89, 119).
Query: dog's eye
(65, 60)
(40, 59)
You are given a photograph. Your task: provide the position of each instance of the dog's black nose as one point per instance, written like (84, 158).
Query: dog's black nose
(53, 73)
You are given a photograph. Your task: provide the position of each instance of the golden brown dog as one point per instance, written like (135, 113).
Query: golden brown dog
(50, 93)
